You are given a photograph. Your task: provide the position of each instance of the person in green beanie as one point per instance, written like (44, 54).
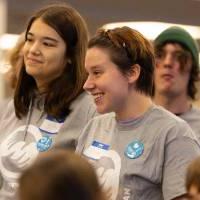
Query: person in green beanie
(176, 72)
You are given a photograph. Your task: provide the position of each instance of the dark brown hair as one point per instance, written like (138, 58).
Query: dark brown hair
(59, 174)
(127, 47)
(68, 23)
(193, 174)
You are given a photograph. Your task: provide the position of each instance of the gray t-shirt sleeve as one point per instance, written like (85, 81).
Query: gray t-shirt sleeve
(176, 161)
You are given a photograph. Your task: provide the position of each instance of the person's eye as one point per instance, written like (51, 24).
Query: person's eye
(49, 44)
(159, 55)
(28, 39)
(97, 73)
(181, 55)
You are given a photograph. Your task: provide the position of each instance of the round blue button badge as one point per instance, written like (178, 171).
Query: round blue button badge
(134, 149)
(44, 143)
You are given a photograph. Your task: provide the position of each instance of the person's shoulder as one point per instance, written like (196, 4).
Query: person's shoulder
(84, 96)
(192, 115)
(170, 120)
(179, 126)
(165, 115)
(104, 120)
(195, 110)
(84, 99)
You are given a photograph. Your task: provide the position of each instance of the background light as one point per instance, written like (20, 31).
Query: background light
(152, 29)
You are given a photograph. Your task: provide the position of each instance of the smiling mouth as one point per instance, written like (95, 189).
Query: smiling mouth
(97, 97)
(33, 61)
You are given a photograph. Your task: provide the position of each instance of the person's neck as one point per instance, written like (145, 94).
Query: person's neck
(136, 105)
(42, 87)
(177, 105)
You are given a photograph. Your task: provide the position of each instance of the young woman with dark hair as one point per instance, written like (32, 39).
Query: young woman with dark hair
(49, 104)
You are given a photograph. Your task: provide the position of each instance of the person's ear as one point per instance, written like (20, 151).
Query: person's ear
(134, 73)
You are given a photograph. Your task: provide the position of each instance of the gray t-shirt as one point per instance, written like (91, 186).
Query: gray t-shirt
(192, 117)
(142, 159)
(21, 140)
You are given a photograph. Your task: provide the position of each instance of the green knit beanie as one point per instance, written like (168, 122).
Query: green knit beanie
(179, 35)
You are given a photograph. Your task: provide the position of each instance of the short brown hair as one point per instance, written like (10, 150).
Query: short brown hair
(128, 47)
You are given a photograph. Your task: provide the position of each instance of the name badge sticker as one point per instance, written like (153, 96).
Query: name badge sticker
(96, 150)
(51, 126)
(100, 145)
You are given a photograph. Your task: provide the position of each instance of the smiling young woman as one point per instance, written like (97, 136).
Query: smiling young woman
(49, 106)
(140, 151)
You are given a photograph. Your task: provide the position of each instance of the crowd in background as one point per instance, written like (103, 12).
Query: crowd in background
(105, 118)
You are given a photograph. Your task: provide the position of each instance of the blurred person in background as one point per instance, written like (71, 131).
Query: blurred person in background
(141, 151)
(176, 74)
(59, 175)
(15, 58)
(49, 106)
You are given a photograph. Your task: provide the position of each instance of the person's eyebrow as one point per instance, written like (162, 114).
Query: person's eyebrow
(44, 38)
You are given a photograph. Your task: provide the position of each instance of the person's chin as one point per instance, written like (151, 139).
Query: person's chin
(31, 71)
(102, 110)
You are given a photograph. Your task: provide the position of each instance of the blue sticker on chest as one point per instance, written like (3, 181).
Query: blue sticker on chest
(44, 143)
(134, 149)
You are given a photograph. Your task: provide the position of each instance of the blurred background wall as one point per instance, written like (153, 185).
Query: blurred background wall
(99, 12)
(15, 13)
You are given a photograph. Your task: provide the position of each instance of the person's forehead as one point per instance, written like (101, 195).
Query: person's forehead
(172, 46)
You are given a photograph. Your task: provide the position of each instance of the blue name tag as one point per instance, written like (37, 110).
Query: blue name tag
(96, 150)
(100, 145)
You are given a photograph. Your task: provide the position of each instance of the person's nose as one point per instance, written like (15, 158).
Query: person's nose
(168, 60)
(35, 48)
(89, 84)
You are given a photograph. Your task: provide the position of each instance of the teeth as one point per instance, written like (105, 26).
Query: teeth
(97, 96)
